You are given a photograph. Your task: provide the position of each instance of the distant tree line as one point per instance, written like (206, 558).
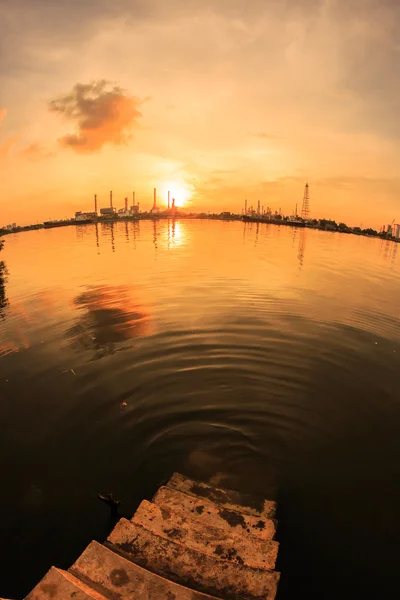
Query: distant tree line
(323, 223)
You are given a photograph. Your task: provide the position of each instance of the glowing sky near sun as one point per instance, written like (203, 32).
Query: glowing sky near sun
(216, 100)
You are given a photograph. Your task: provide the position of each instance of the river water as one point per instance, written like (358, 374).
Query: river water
(257, 357)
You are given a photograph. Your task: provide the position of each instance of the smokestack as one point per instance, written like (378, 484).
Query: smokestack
(173, 203)
(155, 198)
(245, 207)
(169, 204)
(126, 204)
(258, 207)
(111, 200)
(133, 198)
(95, 203)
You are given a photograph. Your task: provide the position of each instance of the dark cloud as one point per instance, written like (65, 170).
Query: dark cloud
(102, 115)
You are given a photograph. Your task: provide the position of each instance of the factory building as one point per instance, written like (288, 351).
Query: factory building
(85, 216)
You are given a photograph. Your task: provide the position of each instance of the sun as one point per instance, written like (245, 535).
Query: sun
(178, 189)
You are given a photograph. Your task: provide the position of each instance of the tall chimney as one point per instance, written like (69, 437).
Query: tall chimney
(245, 207)
(155, 198)
(169, 203)
(95, 203)
(111, 200)
(173, 203)
(258, 207)
(133, 198)
(126, 204)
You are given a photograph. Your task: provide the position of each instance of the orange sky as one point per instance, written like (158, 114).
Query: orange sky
(219, 100)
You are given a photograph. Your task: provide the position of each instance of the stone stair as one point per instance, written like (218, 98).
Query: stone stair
(210, 513)
(192, 542)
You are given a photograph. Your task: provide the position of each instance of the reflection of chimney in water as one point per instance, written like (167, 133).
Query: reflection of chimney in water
(169, 203)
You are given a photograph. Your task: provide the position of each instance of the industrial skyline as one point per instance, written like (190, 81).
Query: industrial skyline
(250, 210)
(131, 89)
(111, 213)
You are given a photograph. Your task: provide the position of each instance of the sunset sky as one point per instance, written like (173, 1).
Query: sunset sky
(218, 100)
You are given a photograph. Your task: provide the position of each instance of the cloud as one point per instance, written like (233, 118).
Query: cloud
(5, 146)
(224, 171)
(102, 115)
(36, 151)
(266, 136)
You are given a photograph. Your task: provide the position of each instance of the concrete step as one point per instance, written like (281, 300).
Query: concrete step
(211, 540)
(125, 580)
(210, 513)
(60, 585)
(231, 499)
(192, 568)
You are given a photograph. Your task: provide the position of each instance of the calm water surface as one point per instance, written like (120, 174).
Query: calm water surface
(258, 357)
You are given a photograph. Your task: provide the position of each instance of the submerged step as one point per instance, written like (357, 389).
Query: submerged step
(216, 542)
(125, 580)
(210, 513)
(190, 567)
(61, 585)
(244, 503)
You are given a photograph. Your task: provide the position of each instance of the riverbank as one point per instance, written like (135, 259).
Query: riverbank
(321, 224)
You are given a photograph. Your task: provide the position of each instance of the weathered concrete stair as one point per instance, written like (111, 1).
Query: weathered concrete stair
(120, 578)
(220, 543)
(245, 503)
(192, 568)
(193, 542)
(210, 513)
(60, 585)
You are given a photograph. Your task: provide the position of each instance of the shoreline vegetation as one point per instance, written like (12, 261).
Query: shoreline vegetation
(321, 224)
(3, 281)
